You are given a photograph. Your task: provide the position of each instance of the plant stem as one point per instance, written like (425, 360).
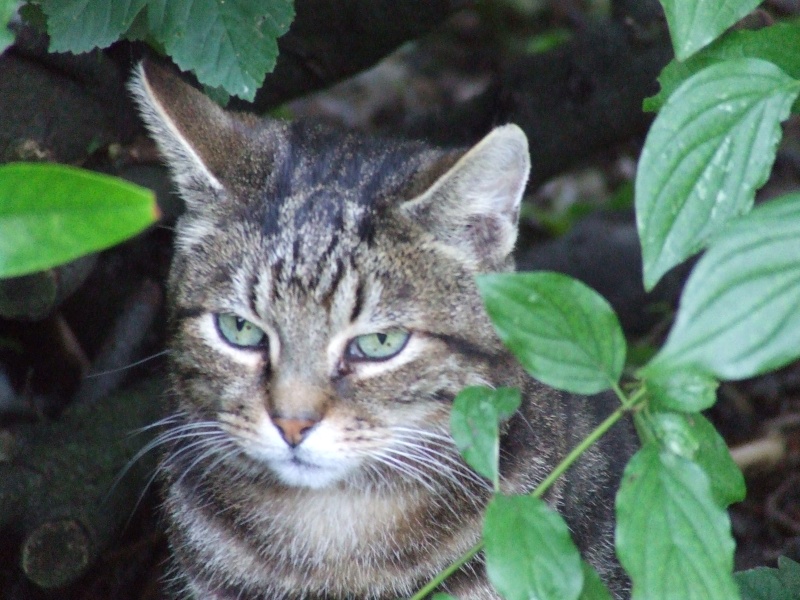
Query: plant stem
(452, 568)
(560, 469)
(587, 442)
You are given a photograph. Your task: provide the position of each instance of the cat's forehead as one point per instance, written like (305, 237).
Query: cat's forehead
(324, 189)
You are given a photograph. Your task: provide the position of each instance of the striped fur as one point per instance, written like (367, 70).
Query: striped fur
(317, 237)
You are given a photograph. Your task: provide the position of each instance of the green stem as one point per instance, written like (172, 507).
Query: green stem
(587, 442)
(561, 468)
(455, 566)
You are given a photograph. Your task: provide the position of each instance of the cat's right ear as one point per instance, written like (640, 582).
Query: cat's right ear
(199, 140)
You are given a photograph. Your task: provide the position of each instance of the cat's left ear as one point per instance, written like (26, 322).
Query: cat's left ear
(474, 206)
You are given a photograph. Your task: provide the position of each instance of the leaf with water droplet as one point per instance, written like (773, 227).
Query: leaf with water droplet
(709, 149)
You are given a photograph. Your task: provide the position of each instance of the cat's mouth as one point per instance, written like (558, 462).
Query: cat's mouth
(297, 471)
(299, 462)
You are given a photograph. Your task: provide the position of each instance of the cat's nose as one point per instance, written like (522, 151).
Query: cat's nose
(294, 431)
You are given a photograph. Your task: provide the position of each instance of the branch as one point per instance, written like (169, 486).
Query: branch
(59, 490)
(330, 41)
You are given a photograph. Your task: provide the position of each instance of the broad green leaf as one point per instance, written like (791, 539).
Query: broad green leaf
(673, 433)
(228, 43)
(81, 25)
(738, 315)
(763, 583)
(778, 44)
(50, 214)
(529, 552)
(564, 333)
(709, 149)
(683, 389)
(440, 596)
(8, 9)
(694, 438)
(672, 537)
(474, 423)
(593, 586)
(714, 457)
(695, 23)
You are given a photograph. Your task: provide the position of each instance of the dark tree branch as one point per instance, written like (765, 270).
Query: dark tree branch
(330, 41)
(59, 487)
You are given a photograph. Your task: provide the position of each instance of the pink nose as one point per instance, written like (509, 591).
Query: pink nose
(294, 430)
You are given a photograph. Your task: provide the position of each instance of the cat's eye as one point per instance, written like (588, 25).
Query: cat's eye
(378, 346)
(240, 332)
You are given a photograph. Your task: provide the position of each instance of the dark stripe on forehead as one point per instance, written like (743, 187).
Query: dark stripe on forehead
(465, 347)
(358, 305)
(326, 296)
(188, 312)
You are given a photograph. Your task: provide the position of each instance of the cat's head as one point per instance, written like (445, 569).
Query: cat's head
(323, 303)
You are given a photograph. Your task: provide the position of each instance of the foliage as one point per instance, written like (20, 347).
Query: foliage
(695, 23)
(763, 583)
(7, 10)
(474, 425)
(51, 214)
(711, 146)
(230, 44)
(562, 333)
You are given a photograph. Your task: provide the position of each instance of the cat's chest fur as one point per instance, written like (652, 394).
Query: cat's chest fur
(323, 317)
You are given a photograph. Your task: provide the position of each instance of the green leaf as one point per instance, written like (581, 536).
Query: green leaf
(684, 389)
(50, 214)
(529, 552)
(714, 457)
(763, 583)
(593, 586)
(474, 423)
(8, 8)
(695, 23)
(564, 333)
(440, 596)
(738, 315)
(81, 25)
(709, 149)
(227, 43)
(778, 44)
(693, 437)
(672, 537)
(673, 433)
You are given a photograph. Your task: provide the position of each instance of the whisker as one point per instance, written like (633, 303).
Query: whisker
(128, 366)
(441, 453)
(420, 477)
(214, 447)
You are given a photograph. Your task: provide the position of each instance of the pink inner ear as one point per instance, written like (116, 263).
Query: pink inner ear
(474, 206)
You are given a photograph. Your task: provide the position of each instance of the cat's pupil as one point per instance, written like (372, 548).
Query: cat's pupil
(381, 338)
(240, 323)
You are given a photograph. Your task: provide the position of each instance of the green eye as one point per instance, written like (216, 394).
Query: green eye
(240, 332)
(378, 346)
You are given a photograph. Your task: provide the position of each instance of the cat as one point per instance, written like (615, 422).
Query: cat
(323, 316)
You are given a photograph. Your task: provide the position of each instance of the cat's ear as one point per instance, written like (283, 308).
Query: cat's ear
(200, 141)
(474, 206)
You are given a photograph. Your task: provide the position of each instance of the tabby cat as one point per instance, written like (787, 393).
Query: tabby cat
(323, 317)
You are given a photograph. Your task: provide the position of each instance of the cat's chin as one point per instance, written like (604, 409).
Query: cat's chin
(298, 473)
